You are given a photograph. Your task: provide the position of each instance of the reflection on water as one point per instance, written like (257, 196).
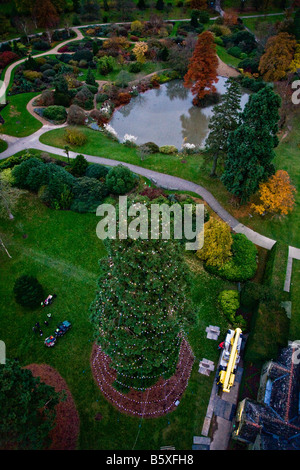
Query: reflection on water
(166, 116)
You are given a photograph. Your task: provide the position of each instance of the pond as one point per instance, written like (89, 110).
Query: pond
(166, 116)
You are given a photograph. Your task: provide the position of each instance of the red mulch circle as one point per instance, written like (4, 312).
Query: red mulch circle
(155, 401)
(65, 434)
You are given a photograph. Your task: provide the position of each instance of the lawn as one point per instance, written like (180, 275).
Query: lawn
(3, 145)
(227, 58)
(18, 121)
(295, 295)
(61, 249)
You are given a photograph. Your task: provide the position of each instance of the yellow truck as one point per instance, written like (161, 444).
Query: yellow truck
(229, 360)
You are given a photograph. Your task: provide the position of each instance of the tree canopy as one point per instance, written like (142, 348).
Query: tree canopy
(202, 70)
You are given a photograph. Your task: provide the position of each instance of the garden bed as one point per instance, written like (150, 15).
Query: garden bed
(155, 401)
(65, 434)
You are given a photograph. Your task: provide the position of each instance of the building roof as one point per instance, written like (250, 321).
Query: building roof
(276, 421)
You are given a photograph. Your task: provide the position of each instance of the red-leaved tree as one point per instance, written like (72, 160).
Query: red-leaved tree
(202, 70)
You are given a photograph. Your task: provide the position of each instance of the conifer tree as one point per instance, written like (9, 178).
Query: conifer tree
(202, 70)
(90, 78)
(27, 409)
(141, 308)
(224, 120)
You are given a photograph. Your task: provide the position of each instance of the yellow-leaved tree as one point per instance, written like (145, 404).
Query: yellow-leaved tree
(279, 53)
(277, 195)
(295, 64)
(139, 51)
(216, 250)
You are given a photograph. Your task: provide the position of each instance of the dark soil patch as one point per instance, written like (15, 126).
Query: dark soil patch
(65, 434)
(155, 401)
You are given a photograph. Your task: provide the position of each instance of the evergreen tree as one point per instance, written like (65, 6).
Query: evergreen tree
(28, 291)
(224, 120)
(251, 145)
(141, 4)
(90, 78)
(141, 308)
(27, 409)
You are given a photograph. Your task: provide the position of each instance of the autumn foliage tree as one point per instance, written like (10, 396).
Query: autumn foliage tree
(277, 195)
(276, 60)
(216, 250)
(139, 51)
(202, 70)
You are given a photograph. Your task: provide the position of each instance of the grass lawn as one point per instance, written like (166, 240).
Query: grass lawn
(18, 121)
(227, 58)
(252, 23)
(41, 242)
(295, 295)
(3, 145)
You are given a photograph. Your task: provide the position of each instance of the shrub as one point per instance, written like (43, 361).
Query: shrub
(28, 291)
(76, 116)
(57, 193)
(235, 51)
(14, 160)
(203, 17)
(46, 98)
(151, 147)
(122, 79)
(32, 75)
(84, 98)
(242, 265)
(101, 97)
(55, 113)
(135, 67)
(88, 194)
(79, 166)
(83, 54)
(123, 98)
(105, 65)
(168, 149)
(120, 180)
(41, 45)
(30, 174)
(75, 137)
(229, 303)
(6, 58)
(152, 193)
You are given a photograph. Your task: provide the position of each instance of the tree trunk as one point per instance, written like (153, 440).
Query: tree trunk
(214, 167)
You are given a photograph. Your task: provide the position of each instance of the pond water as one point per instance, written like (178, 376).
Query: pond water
(166, 116)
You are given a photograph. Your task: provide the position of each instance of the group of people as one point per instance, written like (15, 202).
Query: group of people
(37, 327)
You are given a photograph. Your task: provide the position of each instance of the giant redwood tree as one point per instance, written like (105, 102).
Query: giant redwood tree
(250, 155)
(141, 309)
(202, 70)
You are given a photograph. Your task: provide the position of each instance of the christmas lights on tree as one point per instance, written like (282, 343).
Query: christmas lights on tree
(142, 309)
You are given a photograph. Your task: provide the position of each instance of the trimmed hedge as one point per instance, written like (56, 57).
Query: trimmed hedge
(275, 270)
